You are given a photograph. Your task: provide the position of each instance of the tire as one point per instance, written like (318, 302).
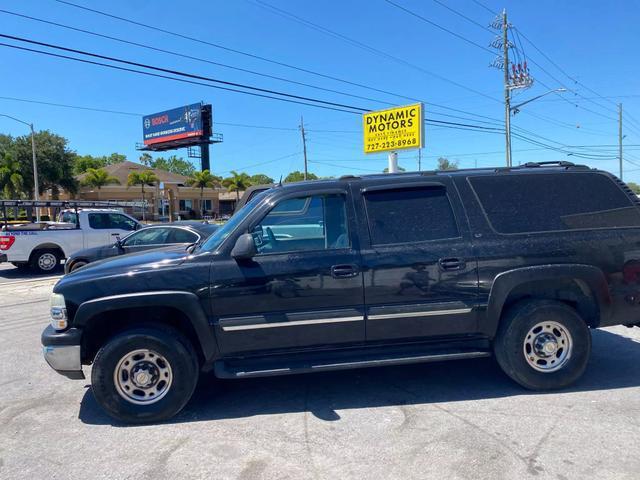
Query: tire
(124, 404)
(521, 345)
(77, 265)
(45, 261)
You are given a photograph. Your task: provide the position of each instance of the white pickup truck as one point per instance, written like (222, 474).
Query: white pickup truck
(42, 246)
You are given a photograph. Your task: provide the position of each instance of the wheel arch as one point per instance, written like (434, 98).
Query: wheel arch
(582, 286)
(104, 317)
(48, 246)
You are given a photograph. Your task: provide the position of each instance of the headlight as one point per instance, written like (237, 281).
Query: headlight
(58, 311)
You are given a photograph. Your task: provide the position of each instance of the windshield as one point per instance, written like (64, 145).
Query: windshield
(214, 241)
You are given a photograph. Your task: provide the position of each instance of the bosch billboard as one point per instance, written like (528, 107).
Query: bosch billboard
(173, 125)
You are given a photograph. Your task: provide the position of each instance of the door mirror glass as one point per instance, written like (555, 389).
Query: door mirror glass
(245, 248)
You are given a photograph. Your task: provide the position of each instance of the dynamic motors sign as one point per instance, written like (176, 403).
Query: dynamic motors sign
(171, 125)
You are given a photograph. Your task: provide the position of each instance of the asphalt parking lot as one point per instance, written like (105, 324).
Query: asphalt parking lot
(448, 420)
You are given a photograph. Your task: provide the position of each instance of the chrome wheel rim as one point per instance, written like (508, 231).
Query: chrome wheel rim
(47, 261)
(143, 377)
(547, 347)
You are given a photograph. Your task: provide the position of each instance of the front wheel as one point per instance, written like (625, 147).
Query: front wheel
(144, 375)
(543, 344)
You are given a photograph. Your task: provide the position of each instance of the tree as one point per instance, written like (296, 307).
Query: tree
(635, 188)
(98, 178)
(173, 164)
(203, 180)
(55, 163)
(11, 181)
(146, 177)
(260, 179)
(298, 176)
(82, 163)
(146, 159)
(237, 182)
(446, 164)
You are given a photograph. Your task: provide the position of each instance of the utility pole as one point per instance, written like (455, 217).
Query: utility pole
(304, 146)
(620, 137)
(507, 91)
(419, 159)
(36, 187)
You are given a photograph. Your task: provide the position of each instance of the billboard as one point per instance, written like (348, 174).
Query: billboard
(394, 128)
(171, 125)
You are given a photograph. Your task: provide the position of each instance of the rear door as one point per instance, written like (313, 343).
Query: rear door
(420, 276)
(304, 287)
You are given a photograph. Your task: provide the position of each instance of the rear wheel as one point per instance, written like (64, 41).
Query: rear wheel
(45, 261)
(543, 344)
(144, 375)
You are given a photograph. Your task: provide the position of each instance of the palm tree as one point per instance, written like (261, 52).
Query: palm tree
(203, 180)
(98, 178)
(146, 177)
(237, 182)
(11, 180)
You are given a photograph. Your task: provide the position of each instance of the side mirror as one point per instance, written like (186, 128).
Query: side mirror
(245, 247)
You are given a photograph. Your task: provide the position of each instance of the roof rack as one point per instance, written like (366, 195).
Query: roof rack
(559, 163)
(349, 177)
(60, 203)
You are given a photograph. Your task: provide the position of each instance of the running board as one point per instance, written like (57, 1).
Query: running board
(245, 368)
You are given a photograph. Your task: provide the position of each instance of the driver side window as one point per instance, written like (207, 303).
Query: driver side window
(306, 223)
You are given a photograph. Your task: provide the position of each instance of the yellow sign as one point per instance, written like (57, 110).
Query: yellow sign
(393, 129)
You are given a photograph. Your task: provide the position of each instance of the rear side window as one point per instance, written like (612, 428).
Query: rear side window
(179, 235)
(410, 215)
(548, 202)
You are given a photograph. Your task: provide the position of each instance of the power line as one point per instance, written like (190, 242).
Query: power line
(484, 27)
(366, 47)
(150, 74)
(190, 57)
(438, 26)
(485, 7)
(184, 74)
(239, 52)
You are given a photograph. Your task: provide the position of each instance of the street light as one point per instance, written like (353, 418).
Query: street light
(35, 165)
(514, 110)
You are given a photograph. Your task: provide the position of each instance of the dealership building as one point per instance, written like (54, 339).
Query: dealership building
(170, 187)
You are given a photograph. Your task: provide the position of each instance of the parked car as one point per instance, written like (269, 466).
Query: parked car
(359, 272)
(42, 246)
(156, 236)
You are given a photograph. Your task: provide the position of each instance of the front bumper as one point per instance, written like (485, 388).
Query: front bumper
(3, 258)
(62, 351)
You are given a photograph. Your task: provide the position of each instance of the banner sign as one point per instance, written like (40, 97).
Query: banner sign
(395, 128)
(171, 125)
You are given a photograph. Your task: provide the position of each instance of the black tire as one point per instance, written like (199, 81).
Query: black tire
(171, 345)
(45, 260)
(77, 265)
(518, 322)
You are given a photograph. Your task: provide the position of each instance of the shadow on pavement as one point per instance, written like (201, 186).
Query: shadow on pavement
(615, 363)
(9, 272)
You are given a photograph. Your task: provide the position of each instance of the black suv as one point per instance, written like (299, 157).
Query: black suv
(362, 271)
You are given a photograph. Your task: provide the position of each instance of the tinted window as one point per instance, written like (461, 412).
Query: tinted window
(148, 236)
(178, 235)
(410, 215)
(121, 222)
(305, 223)
(101, 221)
(547, 202)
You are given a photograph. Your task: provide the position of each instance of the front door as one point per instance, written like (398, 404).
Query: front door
(420, 276)
(304, 287)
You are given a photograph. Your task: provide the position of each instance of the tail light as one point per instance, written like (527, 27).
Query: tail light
(6, 241)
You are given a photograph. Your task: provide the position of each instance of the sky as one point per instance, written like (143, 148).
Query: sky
(376, 55)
